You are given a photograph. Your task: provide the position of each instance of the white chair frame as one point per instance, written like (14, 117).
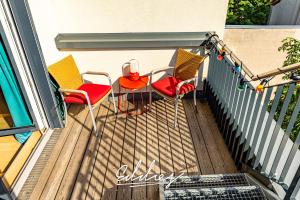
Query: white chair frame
(178, 96)
(90, 106)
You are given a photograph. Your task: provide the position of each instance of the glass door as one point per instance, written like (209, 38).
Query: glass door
(15, 117)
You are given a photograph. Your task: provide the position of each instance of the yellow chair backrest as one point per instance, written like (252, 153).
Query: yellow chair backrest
(187, 64)
(65, 73)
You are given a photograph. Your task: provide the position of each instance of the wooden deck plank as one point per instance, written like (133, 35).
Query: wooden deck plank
(140, 153)
(124, 192)
(68, 181)
(95, 189)
(86, 170)
(44, 176)
(62, 162)
(114, 160)
(212, 148)
(187, 143)
(110, 194)
(166, 162)
(175, 140)
(139, 193)
(201, 150)
(152, 149)
(152, 140)
(229, 165)
(119, 189)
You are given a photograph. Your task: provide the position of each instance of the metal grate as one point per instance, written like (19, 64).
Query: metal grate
(235, 193)
(208, 181)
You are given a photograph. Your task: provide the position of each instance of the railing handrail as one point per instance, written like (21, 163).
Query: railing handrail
(252, 76)
(275, 72)
(232, 55)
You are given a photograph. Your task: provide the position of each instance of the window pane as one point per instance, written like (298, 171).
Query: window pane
(13, 110)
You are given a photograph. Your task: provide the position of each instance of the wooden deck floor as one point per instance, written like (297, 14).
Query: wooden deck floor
(82, 166)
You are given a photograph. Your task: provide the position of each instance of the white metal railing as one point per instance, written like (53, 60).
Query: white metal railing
(246, 120)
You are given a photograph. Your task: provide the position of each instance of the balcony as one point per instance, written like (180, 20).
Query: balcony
(232, 130)
(235, 129)
(82, 166)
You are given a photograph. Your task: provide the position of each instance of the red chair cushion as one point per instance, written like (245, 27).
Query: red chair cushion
(168, 85)
(95, 92)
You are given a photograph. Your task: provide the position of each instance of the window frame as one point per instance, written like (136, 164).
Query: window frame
(14, 130)
(30, 47)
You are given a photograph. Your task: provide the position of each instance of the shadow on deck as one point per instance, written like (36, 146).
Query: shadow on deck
(82, 166)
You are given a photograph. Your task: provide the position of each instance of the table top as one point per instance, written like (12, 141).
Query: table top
(126, 83)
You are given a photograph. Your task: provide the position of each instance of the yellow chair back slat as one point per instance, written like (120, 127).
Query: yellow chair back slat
(66, 74)
(187, 64)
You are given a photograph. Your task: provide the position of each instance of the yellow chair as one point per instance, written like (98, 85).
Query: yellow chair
(73, 88)
(183, 80)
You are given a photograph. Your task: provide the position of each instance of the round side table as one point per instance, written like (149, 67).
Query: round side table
(130, 85)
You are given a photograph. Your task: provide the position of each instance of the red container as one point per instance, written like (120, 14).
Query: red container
(134, 76)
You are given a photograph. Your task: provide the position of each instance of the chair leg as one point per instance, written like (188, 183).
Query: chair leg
(176, 111)
(150, 98)
(93, 120)
(114, 102)
(195, 100)
(65, 112)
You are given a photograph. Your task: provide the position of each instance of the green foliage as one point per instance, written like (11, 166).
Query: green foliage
(248, 12)
(292, 47)
(289, 111)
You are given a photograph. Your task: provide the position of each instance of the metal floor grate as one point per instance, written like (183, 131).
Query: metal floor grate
(234, 193)
(208, 181)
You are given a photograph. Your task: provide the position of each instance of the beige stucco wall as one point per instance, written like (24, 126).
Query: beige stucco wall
(257, 47)
(95, 16)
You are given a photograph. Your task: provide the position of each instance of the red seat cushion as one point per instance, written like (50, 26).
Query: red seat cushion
(94, 91)
(168, 85)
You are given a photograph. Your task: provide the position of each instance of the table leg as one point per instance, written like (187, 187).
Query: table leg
(142, 110)
(126, 102)
(119, 98)
(133, 102)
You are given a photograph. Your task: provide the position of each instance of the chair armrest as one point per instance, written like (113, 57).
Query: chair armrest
(76, 92)
(158, 70)
(179, 85)
(98, 73)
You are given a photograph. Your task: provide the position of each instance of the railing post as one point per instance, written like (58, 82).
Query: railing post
(294, 187)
